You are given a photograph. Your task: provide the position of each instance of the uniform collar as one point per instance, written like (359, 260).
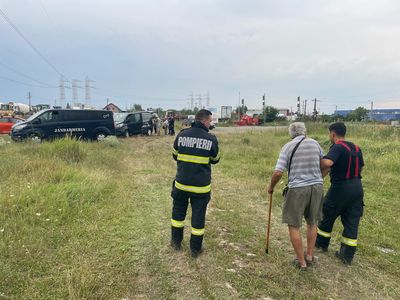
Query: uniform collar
(198, 124)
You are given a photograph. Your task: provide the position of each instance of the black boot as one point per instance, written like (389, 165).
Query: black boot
(176, 237)
(322, 243)
(346, 254)
(196, 245)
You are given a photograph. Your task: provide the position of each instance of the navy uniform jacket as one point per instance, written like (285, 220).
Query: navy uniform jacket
(195, 149)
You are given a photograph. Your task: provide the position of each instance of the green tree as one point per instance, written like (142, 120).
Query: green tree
(241, 109)
(270, 113)
(359, 114)
(137, 107)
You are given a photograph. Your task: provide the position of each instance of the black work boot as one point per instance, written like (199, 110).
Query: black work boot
(322, 243)
(176, 237)
(196, 253)
(346, 254)
(321, 248)
(196, 245)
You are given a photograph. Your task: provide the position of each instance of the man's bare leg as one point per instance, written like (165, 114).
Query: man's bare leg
(295, 238)
(311, 238)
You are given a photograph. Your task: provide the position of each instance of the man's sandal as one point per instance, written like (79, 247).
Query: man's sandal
(296, 264)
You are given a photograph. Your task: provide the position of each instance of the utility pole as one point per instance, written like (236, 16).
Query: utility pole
(238, 109)
(62, 91)
(305, 107)
(372, 108)
(191, 101)
(29, 101)
(315, 112)
(75, 88)
(264, 112)
(87, 91)
(298, 106)
(199, 99)
(208, 99)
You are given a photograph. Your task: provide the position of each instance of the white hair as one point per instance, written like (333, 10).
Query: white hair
(296, 129)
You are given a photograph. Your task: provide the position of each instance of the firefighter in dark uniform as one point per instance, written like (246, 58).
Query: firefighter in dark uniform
(345, 196)
(195, 149)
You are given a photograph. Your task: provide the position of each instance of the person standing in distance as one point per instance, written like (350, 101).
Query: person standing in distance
(194, 149)
(345, 195)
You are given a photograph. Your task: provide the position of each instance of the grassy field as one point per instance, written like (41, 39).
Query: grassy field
(92, 220)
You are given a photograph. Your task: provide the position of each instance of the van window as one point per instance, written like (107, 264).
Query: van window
(49, 116)
(134, 118)
(146, 117)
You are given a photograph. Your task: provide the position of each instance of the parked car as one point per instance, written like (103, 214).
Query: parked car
(127, 124)
(54, 123)
(6, 123)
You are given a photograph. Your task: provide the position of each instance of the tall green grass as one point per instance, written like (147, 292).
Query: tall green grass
(86, 220)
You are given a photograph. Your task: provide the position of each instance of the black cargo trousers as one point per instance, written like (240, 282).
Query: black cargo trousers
(344, 199)
(198, 203)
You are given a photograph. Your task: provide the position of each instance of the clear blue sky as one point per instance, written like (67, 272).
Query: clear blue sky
(156, 53)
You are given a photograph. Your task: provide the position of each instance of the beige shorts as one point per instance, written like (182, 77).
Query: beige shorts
(303, 201)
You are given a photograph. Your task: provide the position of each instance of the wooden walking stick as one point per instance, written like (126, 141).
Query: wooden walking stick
(268, 223)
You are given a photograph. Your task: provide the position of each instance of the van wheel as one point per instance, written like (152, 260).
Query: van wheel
(100, 136)
(148, 131)
(35, 137)
(126, 134)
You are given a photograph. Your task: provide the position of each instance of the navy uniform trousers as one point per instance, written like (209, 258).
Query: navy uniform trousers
(344, 199)
(198, 203)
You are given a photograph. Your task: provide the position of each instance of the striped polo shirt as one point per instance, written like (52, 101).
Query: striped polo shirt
(305, 168)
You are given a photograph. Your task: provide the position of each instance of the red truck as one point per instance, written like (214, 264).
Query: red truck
(247, 120)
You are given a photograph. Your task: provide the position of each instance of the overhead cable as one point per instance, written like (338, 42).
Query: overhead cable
(14, 27)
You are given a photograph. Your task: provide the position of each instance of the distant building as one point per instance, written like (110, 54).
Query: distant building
(385, 114)
(342, 113)
(112, 107)
(283, 112)
(389, 114)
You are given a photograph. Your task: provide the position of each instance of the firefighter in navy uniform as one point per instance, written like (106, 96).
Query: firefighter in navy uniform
(345, 196)
(195, 149)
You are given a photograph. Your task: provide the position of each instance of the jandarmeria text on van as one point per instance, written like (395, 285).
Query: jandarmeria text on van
(69, 129)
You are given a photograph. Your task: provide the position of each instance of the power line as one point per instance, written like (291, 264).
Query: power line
(27, 76)
(3, 14)
(45, 10)
(24, 83)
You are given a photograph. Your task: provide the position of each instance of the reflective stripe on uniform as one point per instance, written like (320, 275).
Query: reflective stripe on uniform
(217, 157)
(193, 159)
(349, 242)
(177, 224)
(193, 189)
(197, 231)
(324, 233)
(174, 151)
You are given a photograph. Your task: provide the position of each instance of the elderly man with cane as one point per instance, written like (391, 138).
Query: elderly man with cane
(304, 192)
